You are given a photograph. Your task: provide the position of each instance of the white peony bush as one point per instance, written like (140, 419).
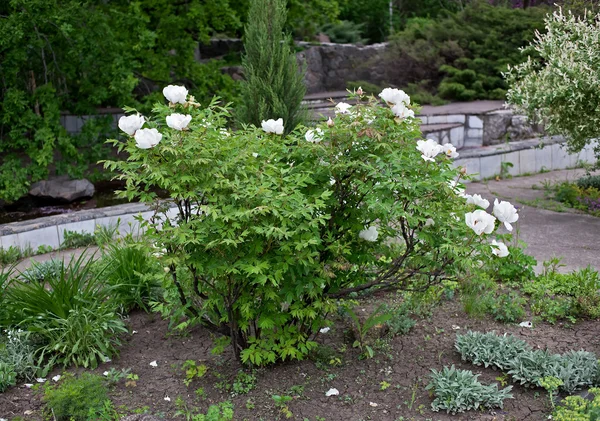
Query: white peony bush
(271, 229)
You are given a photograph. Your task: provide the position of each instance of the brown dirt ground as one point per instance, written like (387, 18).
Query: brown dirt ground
(405, 364)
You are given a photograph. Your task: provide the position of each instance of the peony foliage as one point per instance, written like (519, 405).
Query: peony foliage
(264, 232)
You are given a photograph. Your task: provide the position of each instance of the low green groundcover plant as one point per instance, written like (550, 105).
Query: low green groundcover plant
(75, 398)
(459, 391)
(574, 369)
(272, 229)
(17, 361)
(578, 408)
(557, 296)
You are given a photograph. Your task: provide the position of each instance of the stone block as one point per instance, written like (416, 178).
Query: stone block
(474, 133)
(515, 159)
(475, 122)
(543, 158)
(437, 119)
(457, 137)
(444, 137)
(490, 166)
(560, 157)
(495, 128)
(434, 136)
(9, 240)
(423, 119)
(456, 118)
(81, 226)
(47, 236)
(527, 161)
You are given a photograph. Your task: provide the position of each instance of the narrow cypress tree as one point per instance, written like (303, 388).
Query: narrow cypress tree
(273, 86)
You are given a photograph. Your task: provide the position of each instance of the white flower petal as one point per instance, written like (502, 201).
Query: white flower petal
(370, 234)
(325, 330)
(526, 324)
(175, 94)
(154, 364)
(178, 121)
(56, 378)
(273, 126)
(332, 392)
(147, 138)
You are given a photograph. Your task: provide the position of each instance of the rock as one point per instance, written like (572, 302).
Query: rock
(62, 189)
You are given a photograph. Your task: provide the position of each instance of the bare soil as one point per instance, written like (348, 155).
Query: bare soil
(404, 362)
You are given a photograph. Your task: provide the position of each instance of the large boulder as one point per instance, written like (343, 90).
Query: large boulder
(62, 189)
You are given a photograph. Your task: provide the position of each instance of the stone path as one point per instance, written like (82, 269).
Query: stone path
(568, 234)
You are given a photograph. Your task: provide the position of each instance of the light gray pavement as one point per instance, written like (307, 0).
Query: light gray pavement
(67, 255)
(568, 234)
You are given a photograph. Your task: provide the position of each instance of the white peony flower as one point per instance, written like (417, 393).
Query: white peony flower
(154, 364)
(370, 234)
(324, 330)
(332, 392)
(499, 249)
(429, 149)
(506, 213)
(178, 121)
(314, 136)
(131, 123)
(272, 126)
(480, 221)
(477, 200)
(147, 138)
(394, 96)
(342, 108)
(175, 94)
(402, 111)
(449, 150)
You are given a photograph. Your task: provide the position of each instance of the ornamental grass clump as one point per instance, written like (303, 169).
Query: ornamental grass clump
(272, 229)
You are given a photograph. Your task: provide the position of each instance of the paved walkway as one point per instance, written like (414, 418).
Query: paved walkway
(568, 234)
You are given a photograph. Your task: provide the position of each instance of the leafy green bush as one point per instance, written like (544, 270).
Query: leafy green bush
(74, 398)
(272, 230)
(13, 254)
(459, 391)
(86, 55)
(574, 369)
(555, 296)
(515, 269)
(560, 87)
(344, 32)
(508, 307)
(591, 181)
(578, 408)
(72, 314)
(131, 273)
(463, 54)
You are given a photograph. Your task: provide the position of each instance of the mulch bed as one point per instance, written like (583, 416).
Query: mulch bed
(404, 363)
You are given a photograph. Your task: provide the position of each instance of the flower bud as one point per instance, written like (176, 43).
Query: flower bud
(330, 122)
(166, 269)
(359, 91)
(463, 170)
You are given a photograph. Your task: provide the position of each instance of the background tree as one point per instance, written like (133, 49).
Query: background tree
(274, 87)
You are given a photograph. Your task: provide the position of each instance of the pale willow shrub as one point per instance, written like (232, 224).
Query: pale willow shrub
(561, 86)
(272, 229)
